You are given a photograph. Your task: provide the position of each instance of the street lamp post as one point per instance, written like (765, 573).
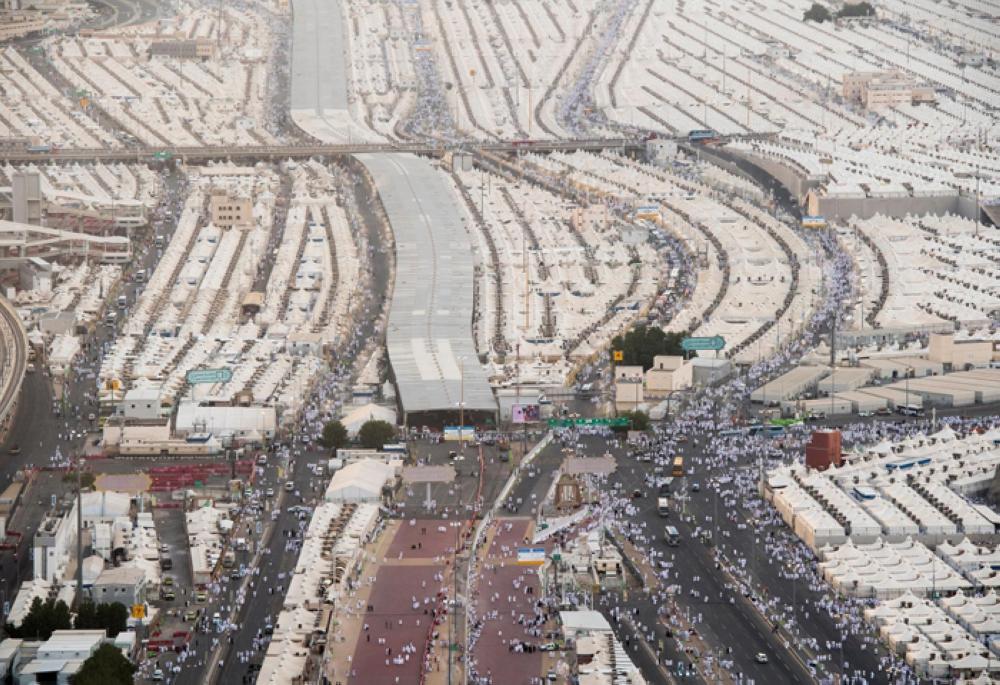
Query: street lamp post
(78, 596)
(461, 405)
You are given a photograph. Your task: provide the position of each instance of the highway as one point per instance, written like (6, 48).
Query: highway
(14, 340)
(260, 152)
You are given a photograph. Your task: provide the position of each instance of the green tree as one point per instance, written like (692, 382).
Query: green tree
(112, 617)
(87, 479)
(42, 618)
(641, 344)
(862, 9)
(86, 616)
(375, 433)
(106, 666)
(334, 435)
(638, 420)
(817, 13)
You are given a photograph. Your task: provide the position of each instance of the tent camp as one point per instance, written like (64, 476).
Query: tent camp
(360, 481)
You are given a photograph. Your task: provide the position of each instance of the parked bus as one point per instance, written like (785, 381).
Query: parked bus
(395, 448)
(910, 409)
(678, 470)
(702, 136)
(775, 431)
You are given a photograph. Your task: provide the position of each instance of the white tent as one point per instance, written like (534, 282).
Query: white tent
(361, 481)
(357, 417)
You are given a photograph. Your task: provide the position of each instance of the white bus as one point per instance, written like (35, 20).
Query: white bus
(910, 409)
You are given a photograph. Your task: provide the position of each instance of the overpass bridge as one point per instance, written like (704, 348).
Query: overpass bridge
(21, 241)
(13, 359)
(274, 152)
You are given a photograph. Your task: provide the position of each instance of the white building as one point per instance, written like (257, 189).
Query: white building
(242, 423)
(142, 403)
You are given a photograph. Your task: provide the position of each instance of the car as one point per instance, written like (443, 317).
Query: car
(883, 411)
(157, 674)
(191, 615)
(695, 487)
(168, 581)
(865, 413)
(262, 460)
(200, 596)
(637, 493)
(168, 595)
(289, 486)
(269, 629)
(91, 416)
(760, 658)
(164, 548)
(235, 575)
(269, 492)
(548, 647)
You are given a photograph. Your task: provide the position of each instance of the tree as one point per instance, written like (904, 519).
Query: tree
(112, 617)
(638, 420)
(41, 620)
(334, 435)
(106, 666)
(375, 433)
(862, 9)
(87, 479)
(641, 344)
(817, 13)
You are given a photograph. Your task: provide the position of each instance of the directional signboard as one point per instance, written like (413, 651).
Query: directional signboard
(530, 556)
(196, 376)
(617, 421)
(716, 342)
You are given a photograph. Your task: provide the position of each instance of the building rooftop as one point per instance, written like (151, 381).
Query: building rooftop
(429, 337)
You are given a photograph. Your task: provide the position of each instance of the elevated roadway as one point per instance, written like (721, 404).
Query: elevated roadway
(271, 152)
(13, 358)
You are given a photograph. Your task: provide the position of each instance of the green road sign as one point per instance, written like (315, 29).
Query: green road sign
(617, 421)
(162, 155)
(196, 376)
(716, 342)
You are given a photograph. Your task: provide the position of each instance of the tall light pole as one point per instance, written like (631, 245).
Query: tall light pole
(461, 405)
(78, 597)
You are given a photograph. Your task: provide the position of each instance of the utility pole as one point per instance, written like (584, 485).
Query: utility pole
(78, 597)
(461, 406)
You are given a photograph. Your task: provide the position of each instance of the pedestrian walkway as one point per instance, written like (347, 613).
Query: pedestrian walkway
(394, 620)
